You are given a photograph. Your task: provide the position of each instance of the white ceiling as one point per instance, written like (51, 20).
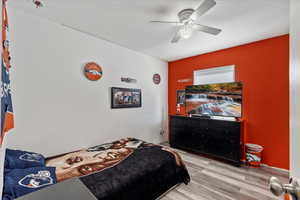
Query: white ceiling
(126, 22)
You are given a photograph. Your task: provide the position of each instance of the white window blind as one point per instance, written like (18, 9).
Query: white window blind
(215, 75)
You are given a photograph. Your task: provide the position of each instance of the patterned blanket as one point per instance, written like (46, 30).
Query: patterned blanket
(125, 169)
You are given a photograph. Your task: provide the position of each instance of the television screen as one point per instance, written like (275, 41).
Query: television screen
(222, 99)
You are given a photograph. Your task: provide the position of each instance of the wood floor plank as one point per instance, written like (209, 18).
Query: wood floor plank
(197, 161)
(237, 182)
(175, 195)
(213, 190)
(215, 184)
(193, 171)
(215, 180)
(194, 166)
(257, 195)
(244, 178)
(165, 198)
(196, 191)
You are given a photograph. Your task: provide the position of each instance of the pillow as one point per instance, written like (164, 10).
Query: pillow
(15, 159)
(19, 182)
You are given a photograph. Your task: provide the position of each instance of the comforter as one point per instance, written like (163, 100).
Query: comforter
(124, 169)
(127, 169)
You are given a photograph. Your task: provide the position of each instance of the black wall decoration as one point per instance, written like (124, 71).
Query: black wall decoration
(128, 80)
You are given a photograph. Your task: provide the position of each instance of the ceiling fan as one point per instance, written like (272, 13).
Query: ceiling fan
(187, 24)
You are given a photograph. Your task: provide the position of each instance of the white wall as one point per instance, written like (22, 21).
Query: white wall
(295, 88)
(57, 109)
(2, 154)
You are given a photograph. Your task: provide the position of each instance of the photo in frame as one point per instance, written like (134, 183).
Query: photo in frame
(180, 96)
(126, 98)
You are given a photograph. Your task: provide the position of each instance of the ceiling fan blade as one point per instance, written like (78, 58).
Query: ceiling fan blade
(204, 7)
(208, 29)
(177, 36)
(165, 22)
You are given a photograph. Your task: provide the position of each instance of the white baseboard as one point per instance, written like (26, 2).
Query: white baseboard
(268, 166)
(276, 168)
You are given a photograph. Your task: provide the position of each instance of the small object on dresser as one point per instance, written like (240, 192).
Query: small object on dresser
(202, 116)
(224, 118)
(180, 96)
(178, 109)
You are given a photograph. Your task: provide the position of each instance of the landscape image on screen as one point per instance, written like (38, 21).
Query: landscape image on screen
(223, 99)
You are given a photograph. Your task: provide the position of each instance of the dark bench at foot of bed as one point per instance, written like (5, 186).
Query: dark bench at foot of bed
(72, 189)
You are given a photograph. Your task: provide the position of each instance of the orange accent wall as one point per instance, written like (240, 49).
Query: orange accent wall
(263, 67)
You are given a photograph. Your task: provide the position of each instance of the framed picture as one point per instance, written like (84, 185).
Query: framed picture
(126, 98)
(180, 96)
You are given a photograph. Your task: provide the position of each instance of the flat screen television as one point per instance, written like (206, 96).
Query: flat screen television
(222, 99)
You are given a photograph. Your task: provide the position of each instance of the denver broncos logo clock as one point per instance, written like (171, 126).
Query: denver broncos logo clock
(93, 71)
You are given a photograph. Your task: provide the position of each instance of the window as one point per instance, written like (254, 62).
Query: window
(215, 75)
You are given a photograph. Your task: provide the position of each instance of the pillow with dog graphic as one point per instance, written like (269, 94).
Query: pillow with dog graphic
(16, 159)
(19, 182)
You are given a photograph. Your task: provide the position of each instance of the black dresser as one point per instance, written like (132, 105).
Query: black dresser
(217, 138)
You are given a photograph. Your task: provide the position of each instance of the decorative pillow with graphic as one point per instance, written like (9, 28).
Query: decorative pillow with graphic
(19, 182)
(16, 159)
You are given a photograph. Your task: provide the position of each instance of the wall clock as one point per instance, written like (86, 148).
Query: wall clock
(156, 79)
(93, 71)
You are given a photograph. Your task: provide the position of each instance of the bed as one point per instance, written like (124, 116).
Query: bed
(125, 169)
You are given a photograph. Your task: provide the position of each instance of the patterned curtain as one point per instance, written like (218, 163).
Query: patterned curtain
(7, 118)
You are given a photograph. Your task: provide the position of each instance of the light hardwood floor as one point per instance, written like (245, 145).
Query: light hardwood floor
(214, 180)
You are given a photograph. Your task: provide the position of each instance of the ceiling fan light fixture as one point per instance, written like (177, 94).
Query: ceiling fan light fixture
(188, 18)
(186, 31)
